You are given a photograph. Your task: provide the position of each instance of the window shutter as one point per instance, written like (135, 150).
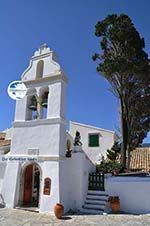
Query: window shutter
(94, 140)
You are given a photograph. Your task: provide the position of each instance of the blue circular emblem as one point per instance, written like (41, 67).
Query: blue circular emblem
(17, 90)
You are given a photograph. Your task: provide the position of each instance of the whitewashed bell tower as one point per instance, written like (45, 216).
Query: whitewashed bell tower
(40, 116)
(39, 132)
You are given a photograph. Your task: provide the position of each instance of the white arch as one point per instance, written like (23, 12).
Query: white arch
(21, 174)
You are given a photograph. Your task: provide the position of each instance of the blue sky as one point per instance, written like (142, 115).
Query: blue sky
(67, 26)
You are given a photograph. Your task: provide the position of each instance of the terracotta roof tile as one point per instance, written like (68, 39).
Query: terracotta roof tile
(2, 136)
(5, 142)
(140, 159)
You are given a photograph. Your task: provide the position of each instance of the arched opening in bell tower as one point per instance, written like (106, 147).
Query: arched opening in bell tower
(37, 104)
(31, 112)
(39, 69)
(44, 101)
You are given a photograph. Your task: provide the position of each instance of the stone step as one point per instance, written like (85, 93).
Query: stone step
(31, 209)
(92, 206)
(97, 197)
(91, 211)
(97, 192)
(95, 202)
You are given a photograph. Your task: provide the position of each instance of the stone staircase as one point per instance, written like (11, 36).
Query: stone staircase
(95, 202)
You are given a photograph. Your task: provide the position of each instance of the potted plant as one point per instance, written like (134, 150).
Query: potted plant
(114, 203)
(68, 152)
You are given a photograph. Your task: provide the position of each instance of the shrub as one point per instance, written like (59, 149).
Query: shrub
(109, 167)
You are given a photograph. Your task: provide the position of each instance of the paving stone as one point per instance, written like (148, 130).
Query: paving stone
(13, 217)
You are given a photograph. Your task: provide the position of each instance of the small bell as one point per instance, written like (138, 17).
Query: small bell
(33, 105)
(44, 104)
(44, 100)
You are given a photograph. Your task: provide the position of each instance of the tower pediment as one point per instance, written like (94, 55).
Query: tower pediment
(42, 64)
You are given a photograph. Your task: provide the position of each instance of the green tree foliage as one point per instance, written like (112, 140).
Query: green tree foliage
(124, 63)
(113, 153)
(111, 164)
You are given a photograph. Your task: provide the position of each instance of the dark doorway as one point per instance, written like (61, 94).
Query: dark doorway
(31, 186)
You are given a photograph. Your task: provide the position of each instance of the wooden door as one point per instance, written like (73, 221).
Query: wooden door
(28, 177)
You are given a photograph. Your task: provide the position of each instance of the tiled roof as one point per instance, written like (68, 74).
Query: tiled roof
(140, 159)
(2, 136)
(5, 142)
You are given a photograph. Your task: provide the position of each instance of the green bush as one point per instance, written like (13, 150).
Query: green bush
(109, 167)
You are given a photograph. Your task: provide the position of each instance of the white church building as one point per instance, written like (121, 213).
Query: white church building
(35, 172)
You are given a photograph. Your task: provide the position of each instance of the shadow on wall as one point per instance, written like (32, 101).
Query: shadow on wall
(2, 202)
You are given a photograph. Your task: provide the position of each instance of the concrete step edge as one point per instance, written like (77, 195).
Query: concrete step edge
(96, 197)
(93, 202)
(97, 194)
(96, 207)
(93, 208)
(97, 191)
(91, 211)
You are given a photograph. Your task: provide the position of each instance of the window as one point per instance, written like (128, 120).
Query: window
(94, 140)
(47, 186)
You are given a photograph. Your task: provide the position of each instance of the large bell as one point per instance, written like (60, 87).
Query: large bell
(44, 99)
(44, 103)
(33, 107)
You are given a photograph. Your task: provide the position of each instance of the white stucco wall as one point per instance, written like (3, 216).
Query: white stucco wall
(21, 109)
(134, 193)
(11, 187)
(9, 184)
(69, 181)
(3, 166)
(106, 139)
(9, 133)
(45, 137)
(57, 100)
(70, 138)
(74, 175)
(47, 202)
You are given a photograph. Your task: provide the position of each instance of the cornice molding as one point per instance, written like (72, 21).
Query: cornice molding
(48, 79)
(37, 122)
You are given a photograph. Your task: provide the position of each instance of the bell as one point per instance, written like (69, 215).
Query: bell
(32, 107)
(44, 103)
(35, 117)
